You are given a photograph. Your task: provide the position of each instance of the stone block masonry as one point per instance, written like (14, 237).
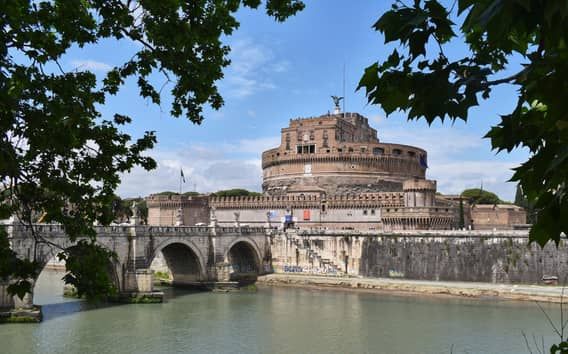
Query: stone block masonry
(475, 256)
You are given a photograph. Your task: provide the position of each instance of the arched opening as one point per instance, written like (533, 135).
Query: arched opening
(102, 274)
(244, 262)
(49, 287)
(179, 263)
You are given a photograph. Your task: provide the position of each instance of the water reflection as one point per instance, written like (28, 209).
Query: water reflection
(278, 320)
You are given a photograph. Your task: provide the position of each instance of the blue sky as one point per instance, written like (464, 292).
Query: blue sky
(282, 71)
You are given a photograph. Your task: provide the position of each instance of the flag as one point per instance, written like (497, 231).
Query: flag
(182, 176)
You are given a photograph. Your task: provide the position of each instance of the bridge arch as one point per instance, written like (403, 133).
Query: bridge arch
(245, 259)
(184, 260)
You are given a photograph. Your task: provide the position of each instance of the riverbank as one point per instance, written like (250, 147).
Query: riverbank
(518, 292)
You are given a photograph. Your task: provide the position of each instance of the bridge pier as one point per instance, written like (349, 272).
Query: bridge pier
(211, 257)
(16, 310)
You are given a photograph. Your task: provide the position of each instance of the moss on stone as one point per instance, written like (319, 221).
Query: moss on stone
(153, 298)
(249, 288)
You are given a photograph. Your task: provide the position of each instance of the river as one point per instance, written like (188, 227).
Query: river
(278, 320)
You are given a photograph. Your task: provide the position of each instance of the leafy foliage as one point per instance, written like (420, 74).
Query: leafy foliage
(58, 155)
(185, 194)
(428, 85)
(237, 192)
(12, 266)
(480, 196)
(522, 201)
(90, 270)
(461, 223)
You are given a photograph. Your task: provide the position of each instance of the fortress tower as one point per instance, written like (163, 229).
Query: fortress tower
(338, 154)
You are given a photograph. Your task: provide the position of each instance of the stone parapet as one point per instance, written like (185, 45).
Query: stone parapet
(364, 200)
(419, 185)
(521, 234)
(419, 218)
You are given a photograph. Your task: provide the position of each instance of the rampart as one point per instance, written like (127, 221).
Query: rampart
(340, 153)
(359, 201)
(478, 256)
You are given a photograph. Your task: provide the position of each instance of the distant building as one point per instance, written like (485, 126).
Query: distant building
(329, 172)
(165, 210)
(499, 216)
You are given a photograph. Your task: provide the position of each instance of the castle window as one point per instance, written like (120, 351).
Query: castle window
(277, 154)
(363, 149)
(396, 152)
(327, 151)
(306, 149)
(339, 150)
(411, 154)
(365, 212)
(372, 211)
(378, 151)
(350, 149)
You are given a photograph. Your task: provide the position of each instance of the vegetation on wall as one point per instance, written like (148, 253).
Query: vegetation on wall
(480, 196)
(237, 192)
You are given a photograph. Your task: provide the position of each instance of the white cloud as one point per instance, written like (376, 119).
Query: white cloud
(209, 169)
(281, 66)
(251, 67)
(377, 118)
(90, 65)
(253, 146)
(458, 159)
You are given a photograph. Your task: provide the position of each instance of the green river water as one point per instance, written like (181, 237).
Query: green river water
(278, 320)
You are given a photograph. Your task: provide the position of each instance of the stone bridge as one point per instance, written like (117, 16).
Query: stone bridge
(207, 257)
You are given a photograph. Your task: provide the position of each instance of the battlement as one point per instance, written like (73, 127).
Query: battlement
(176, 201)
(379, 153)
(365, 200)
(419, 185)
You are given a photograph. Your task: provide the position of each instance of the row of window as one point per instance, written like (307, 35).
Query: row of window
(311, 149)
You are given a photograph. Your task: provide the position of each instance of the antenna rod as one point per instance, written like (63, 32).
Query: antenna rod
(344, 99)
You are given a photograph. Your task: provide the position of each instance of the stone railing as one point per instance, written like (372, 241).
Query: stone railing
(364, 200)
(56, 230)
(524, 234)
(385, 161)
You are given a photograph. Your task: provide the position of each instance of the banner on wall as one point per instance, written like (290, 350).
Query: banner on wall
(306, 214)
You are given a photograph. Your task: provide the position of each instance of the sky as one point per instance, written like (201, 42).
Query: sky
(281, 71)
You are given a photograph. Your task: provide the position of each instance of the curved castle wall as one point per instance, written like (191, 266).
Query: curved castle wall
(340, 154)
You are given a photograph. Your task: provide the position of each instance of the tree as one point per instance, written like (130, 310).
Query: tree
(236, 192)
(423, 82)
(58, 154)
(522, 201)
(461, 224)
(480, 196)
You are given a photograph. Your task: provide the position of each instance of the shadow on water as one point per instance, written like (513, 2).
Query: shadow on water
(61, 306)
(49, 295)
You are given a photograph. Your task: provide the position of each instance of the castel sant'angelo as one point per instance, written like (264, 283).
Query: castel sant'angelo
(330, 171)
(333, 172)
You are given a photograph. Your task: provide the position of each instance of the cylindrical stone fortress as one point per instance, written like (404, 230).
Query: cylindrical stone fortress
(341, 154)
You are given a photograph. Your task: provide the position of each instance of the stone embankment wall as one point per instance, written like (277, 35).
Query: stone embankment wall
(479, 256)
(6, 301)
